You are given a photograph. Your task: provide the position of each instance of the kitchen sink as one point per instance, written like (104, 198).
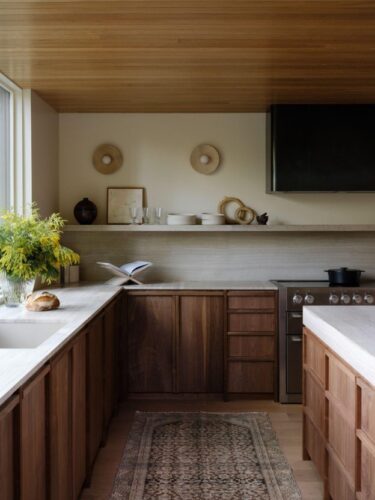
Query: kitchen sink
(25, 335)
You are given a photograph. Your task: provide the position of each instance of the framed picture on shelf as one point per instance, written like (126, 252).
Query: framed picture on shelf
(119, 202)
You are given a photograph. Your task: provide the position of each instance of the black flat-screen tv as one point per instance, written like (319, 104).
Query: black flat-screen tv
(321, 148)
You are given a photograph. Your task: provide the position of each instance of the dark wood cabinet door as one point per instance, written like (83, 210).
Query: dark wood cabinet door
(200, 344)
(60, 441)
(150, 334)
(110, 361)
(9, 456)
(95, 379)
(33, 438)
(78, 413)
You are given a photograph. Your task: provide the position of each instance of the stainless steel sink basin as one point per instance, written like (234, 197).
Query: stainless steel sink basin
(25, 335)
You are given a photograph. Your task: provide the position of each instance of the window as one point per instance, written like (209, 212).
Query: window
(13, 173)
(5, 148)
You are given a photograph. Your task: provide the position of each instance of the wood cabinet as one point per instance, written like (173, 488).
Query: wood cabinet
(78, 413)
(9, 449)
(60, 427)
(95, 389)
(50, 431)
(67, 415)
(34, 438)
(251, 343)
(200, 343)
(151, 324)
(338, 423)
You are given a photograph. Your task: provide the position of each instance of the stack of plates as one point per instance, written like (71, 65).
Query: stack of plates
(181, 219)
(213, 219)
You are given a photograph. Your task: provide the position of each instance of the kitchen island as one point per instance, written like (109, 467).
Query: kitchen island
(339, 398)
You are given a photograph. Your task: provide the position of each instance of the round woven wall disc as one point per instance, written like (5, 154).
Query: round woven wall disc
(107, 159)
(205, 159)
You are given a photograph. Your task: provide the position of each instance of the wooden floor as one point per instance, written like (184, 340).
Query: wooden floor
(286, 420)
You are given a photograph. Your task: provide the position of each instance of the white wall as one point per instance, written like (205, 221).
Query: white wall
(156, 149)
(44, 143)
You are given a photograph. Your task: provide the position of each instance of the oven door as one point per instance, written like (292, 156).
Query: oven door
(294, 364)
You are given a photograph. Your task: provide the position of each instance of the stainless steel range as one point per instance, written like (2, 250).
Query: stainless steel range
(293, 295)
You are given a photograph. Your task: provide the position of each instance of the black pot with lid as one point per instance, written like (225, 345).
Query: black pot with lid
(344, 276)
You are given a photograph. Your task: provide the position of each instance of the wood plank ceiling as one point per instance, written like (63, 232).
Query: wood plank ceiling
(189, 55)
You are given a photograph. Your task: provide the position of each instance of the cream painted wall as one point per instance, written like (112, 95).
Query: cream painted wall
(156, 149)
(44, 144)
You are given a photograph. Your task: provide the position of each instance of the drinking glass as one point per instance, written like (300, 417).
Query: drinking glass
(158, 215)
(133, 214)
(148, 215)
(140, 215)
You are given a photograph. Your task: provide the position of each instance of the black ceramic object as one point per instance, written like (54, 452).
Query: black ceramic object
(85, 211)
(262, 219)
(344, 276)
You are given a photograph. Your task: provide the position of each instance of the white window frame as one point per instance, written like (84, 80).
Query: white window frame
(18, 193)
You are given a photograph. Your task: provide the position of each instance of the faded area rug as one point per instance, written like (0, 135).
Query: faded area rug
(213, 456)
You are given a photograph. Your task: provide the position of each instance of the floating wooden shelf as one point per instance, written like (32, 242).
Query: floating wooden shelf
(145, 228)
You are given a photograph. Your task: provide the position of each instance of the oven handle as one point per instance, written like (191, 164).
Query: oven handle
(296, 315)
(296, 338)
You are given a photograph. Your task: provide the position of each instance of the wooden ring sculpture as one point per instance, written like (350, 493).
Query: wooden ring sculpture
(107, 159)
(242, 215)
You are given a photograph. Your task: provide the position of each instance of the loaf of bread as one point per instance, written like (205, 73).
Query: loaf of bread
(42, 301)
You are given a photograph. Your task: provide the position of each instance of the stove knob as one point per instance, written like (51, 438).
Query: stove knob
(369, 299)
(345, 298)
(297, 299)
(357, 299)
(334, 299)
(309, 299)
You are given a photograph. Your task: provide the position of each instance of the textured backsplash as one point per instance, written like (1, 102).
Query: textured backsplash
(218, 256)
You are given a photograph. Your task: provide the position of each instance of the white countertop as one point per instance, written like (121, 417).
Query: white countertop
(205, 285)
(78, 305)
(349, 331)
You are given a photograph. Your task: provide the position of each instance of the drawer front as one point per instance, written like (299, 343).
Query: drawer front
(250, 377)
(251, 302)
(368, 411)
(315, 446)
(342, 386)
(367, 474)
(314, 401)
(314, 356)
(339, 487)
(251, 322)
(342, 439)
(253, 347)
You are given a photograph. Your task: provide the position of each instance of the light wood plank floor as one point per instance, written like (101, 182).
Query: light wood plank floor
(286, 420)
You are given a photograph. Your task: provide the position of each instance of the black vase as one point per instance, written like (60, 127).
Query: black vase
(85, 211)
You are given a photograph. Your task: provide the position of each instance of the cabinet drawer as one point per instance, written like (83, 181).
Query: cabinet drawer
(368, 410)
(253, 347)
(251, 302)
(251, 322)
(342, 386)
(314, 445)
(338, 485)
(250, 377)
(314, 400)
(367, 474)
(314, 356)
(342, 439)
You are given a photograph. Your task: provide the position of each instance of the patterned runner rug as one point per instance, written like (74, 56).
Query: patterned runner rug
(203, 456)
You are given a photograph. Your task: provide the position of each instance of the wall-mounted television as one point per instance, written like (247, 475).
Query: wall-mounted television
(321, 148)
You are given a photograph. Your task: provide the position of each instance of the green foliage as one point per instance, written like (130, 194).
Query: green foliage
(30, 246)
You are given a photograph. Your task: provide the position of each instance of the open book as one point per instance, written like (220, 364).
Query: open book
(126, 272)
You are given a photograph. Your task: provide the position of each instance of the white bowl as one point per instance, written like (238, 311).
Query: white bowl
(213, 219)
(181, 219)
